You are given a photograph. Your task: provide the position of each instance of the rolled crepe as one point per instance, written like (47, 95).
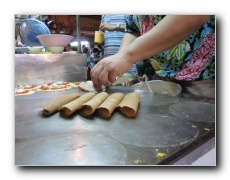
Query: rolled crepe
(129, 104)
(52, 106)
(89, 107)
(109, 105)
(74, 105)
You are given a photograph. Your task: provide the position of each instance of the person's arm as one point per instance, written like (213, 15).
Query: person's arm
(127, 39)
(112, 27)
(169, 32)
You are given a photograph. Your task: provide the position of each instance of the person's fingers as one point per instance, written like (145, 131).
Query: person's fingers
(105, 72)
(94, 74)
(103, 77)
(95, 69)
(108, 77)
(112, 77)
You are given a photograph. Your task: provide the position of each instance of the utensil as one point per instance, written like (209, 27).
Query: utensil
(146, 82)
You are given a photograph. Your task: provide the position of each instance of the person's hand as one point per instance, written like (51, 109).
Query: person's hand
(107, 26)
(107, 69)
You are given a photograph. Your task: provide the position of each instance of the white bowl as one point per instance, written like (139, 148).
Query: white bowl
(55, 50)
(34, 50)
(54, 40)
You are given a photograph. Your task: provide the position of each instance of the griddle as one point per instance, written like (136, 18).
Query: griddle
(164, 124)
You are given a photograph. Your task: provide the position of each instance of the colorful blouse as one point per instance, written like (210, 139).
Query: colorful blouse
(192, 59)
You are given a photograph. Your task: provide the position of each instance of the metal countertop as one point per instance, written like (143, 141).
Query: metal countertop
(164, 124)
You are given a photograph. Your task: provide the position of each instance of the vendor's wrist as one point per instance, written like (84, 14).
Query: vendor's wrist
(128, 56)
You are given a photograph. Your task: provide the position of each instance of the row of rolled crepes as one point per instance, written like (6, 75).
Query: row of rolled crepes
(87, 104)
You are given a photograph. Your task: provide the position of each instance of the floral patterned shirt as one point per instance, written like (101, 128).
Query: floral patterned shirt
(192, 59)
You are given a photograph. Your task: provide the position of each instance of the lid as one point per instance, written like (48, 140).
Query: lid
(28, 30)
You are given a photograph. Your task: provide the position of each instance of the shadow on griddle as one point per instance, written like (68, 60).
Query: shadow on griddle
(46, 116)
(72, 116)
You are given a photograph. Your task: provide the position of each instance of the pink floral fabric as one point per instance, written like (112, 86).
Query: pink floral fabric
(146, 24)
(199, 60)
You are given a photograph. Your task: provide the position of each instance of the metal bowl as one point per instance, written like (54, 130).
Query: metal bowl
(160, 87)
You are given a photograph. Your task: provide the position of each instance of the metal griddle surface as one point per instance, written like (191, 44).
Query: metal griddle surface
(160, 126)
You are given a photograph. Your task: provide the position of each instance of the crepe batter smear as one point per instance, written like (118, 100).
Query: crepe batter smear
(194, 111)
(154, 131)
